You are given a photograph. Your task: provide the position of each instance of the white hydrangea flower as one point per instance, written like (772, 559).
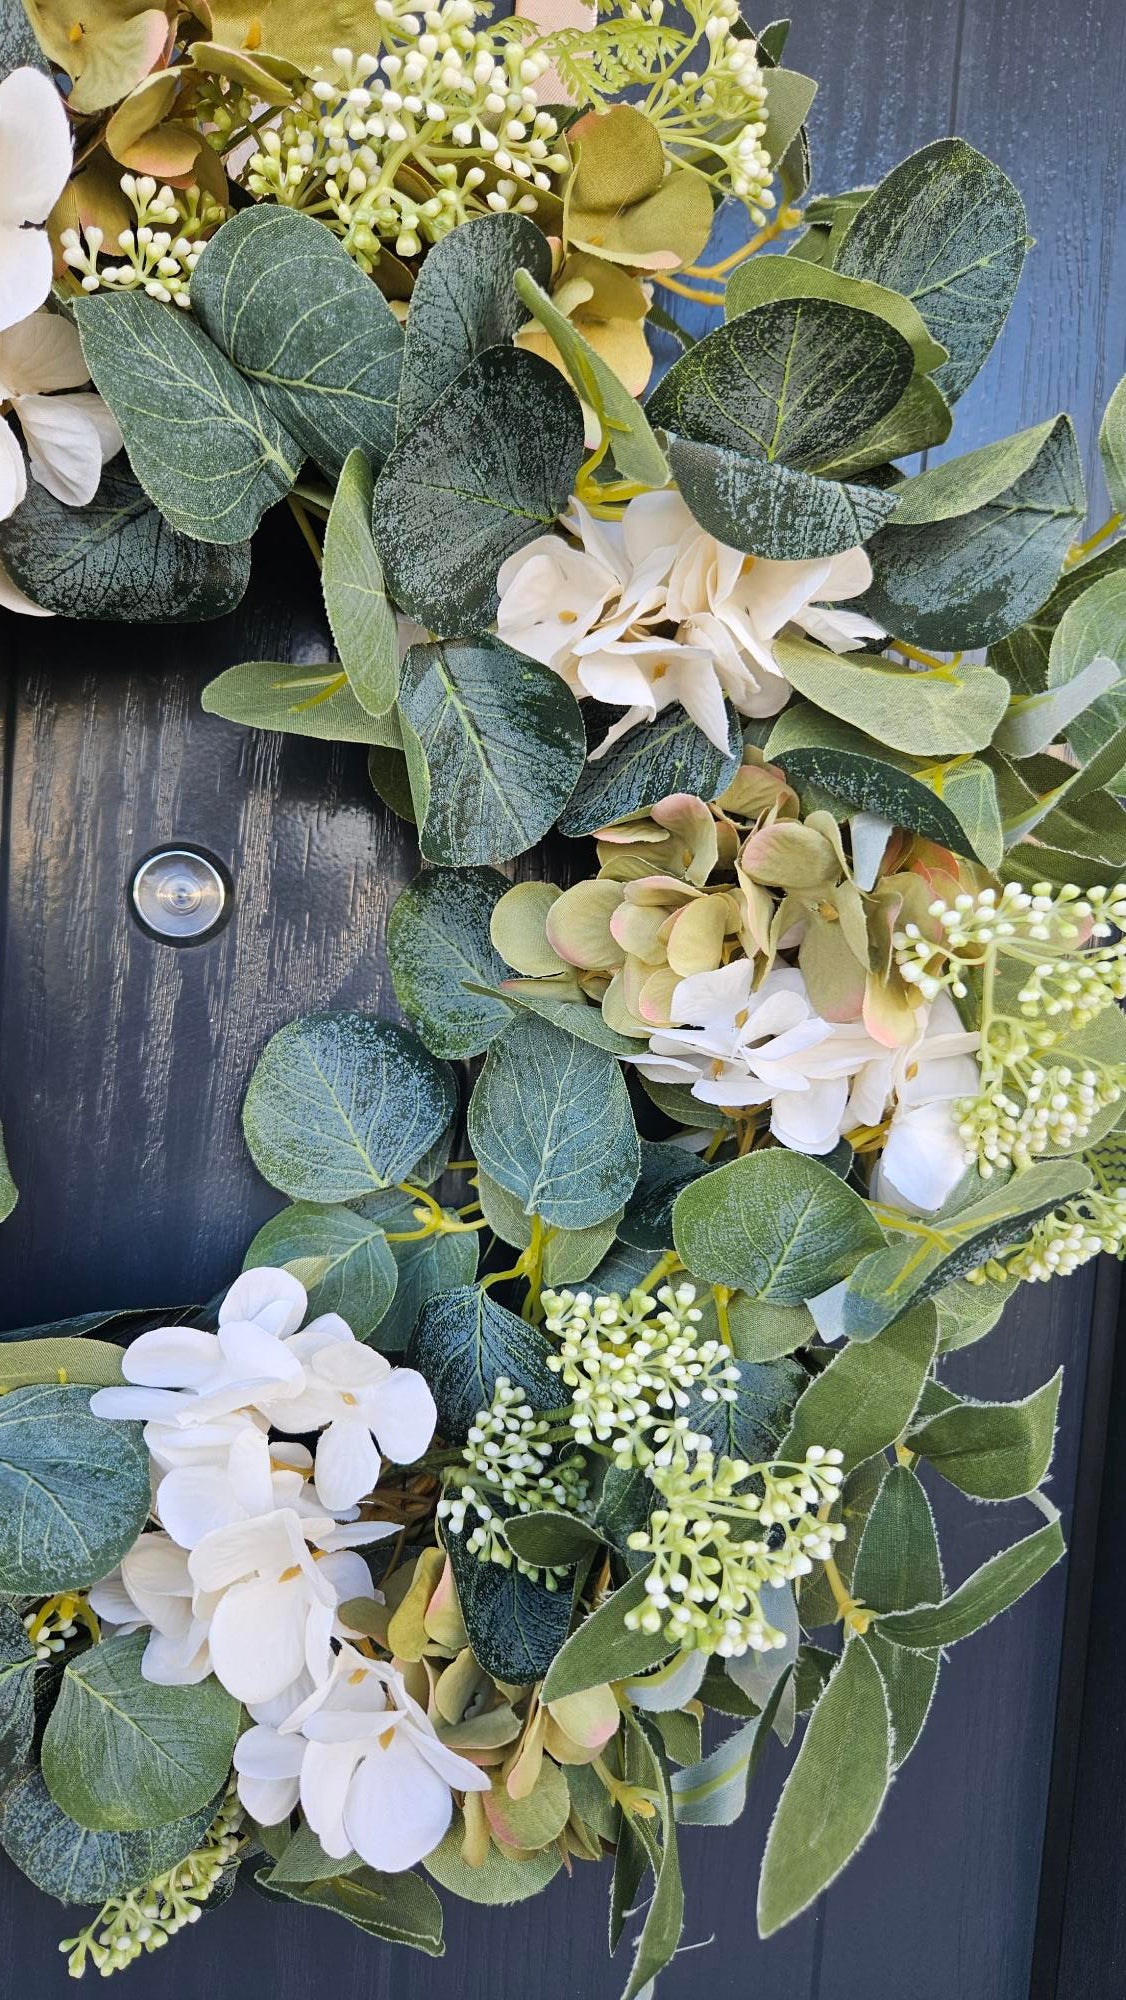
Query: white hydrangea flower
(365, 1763)
(739, 1047)
(599, 610)
(69, 436)
(35, 162)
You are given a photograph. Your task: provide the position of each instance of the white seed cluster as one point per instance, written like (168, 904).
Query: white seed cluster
(401, 146)
(145, 1919)
(710, 1566)
(160, 252)
(1088, 1227)
(506, 1453)
(49, 1629)
(634, 1368)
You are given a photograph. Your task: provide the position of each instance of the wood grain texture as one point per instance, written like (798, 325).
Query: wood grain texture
(125, 1063)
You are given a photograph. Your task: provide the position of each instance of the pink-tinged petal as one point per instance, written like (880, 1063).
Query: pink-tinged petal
(397, 1808)
(35, 148)
(13, 473)
(404, 1415)
(257, 1637)
(64, 445)
(347, 1463)
(141, 1405)
(25, 271)
(273, 1298)
(172, 1357)
(327, 1774)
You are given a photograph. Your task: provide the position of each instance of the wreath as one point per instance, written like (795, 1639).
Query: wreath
(506, 1504)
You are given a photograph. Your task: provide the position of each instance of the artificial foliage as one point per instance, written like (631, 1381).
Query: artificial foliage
(571, 1429)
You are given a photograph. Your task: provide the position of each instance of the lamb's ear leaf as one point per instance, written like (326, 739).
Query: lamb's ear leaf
(994, 1451)
(796, 380)
(341, 1105)
(328, 373)
(550, 1120)
(359, 613)
(500, 741)
(948, 230)
(118, 558)
(490, 466)
(463, 302)
(203, 443)
(834, 1792)
(976, 544)
(991, 1589)
(603, 1648)
(869, 1392)
(898, 1565)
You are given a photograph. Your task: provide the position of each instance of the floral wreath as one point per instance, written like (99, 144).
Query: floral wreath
(516, 1499)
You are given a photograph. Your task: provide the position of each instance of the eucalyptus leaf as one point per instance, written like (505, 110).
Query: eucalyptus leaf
(947, 229)
(665, 1171)
(1091, 629)
(550, 1119)
(834, 1792)
(991, 1589)
(122, 1753)
(947, 714)
(74, 1490)
(753, 1426)
(341, 1104)
(994, 1451)
(302, 699)
(960, 579)
(569, 1255)
(798, 380)
(1023, 655)
(18, 1663)
(118, 558)
(75, 1865)
(502, 742)
(328, 372)
(777, 1224)
(441, 955)
(1112, 447)
(464, 301)
(762, 279)
(574, 1017)
(463, 1342)
(921, 419)
(203, 444)
(490, 466)
(515, 1624)
(344, 1262)
(426, 1264)
(362, 621)
(770, 510)
(1033, 721)
(650, 763)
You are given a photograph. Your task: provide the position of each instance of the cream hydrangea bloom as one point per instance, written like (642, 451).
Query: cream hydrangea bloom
(649, 610)
(739, 1047)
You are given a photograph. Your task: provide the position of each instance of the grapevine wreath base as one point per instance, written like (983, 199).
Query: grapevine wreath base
(506, 1504)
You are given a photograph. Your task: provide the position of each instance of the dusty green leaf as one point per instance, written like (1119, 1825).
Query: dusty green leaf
(329, 372)
(75, 1865)
(832, 1797)
(342, 1104)
(550, 1119)
(984, 1595)
(516, 1625)
(869, 1392)
(1112, 446)
(947, 229)
(603, 1648)
(202, 442)
(426, 1264)
(637, 452)
(401, 1909)
(491, 466)
(463, 1342)
(946, 714)
(777, 1225)
(502, 741)
(994, 1451)
(464, 301)
(897, 1566)
(569, 1255)
(441, 955)
(94, 1363)
(362, 621)
(768, 509)
(762, 279)
(74, 1490)
(300, 698)
(649, 763)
